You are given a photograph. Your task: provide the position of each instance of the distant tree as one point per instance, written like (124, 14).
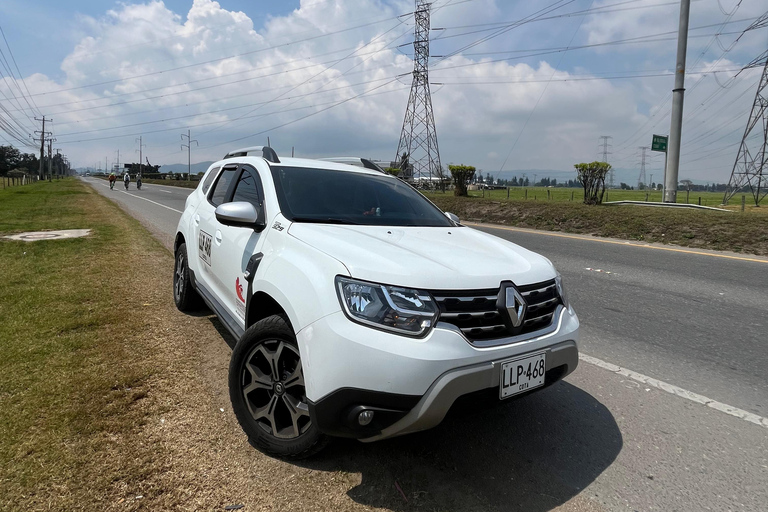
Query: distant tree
(394, 171)
(687, 184)
(462, 175)
(624, 186)
(592, 178)
(526, 183)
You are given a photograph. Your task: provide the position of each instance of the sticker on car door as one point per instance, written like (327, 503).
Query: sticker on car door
(204, 247)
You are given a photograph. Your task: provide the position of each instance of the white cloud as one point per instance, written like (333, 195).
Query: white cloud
(225, 79)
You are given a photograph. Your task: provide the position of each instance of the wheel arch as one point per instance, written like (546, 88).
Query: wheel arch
(178, 241)
(262, 305)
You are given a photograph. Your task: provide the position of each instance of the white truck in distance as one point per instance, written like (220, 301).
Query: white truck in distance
(359, 308)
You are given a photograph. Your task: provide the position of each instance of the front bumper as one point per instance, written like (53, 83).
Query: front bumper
(410, 384)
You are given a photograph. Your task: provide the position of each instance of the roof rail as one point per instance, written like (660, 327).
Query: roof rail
(354, 160)
(266, 152)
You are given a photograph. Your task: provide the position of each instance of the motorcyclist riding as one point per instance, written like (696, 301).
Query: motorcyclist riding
(112, 179)
(126, 180)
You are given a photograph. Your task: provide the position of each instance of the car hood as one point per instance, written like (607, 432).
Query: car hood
(433, 258)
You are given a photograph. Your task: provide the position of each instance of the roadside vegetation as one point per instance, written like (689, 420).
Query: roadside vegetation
(75, 366)
(737, 231)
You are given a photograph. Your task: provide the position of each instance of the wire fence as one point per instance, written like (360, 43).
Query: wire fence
(17, 181)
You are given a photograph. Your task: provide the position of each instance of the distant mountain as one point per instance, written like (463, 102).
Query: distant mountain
(182, 168)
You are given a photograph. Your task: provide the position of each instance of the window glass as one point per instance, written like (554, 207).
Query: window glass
(343, 197)
(219, 193)
(247, 188)
(209, 179)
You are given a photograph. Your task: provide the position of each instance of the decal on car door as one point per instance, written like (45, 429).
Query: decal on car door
(204, 247)
(240, 302)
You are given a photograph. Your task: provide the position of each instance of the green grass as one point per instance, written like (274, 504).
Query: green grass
(561, 194)
(70, 379)
(732, 231)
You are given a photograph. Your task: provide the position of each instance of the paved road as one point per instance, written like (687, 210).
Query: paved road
(603, 440)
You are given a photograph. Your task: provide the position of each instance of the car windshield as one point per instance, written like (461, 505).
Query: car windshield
(343, 197)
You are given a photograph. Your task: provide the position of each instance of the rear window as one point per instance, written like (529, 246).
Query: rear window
(342, 197)
(209, 179)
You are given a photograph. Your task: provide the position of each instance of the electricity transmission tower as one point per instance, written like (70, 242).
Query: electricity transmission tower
(641, 178)
(417, 148)
(604, 143)
(750, 170)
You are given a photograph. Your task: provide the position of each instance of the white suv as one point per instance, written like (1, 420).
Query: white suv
(361, 310)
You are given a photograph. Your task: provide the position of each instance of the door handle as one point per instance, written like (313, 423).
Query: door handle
(218, 237)
(197, 220)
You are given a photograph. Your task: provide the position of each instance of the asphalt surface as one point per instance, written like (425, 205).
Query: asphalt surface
(602, 440)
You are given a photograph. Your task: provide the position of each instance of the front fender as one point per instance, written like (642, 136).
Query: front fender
(299, 278)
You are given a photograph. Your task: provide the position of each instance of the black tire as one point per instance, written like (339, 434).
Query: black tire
(184, 295)
(273, 412)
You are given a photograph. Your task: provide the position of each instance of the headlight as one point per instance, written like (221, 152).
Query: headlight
(561, 291)
(401, 310)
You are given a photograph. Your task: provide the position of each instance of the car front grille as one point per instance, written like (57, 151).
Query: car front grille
(476, 314)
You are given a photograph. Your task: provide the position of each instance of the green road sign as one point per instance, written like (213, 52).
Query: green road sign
(659, 143)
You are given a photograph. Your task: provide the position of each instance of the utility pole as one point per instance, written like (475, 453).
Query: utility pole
(141, 146)
(604, 142)
(43, 135)
(118, 160)
(188, 145)
(676, 127)
(50, 156)
(417, 148)
(641, 178)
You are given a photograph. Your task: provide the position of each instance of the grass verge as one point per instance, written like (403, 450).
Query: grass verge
(745, 232)
(76, 368)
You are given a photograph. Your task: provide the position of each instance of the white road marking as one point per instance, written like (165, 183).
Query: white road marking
(599, 270)
(677, 391)
(153, 202)
(166, 191)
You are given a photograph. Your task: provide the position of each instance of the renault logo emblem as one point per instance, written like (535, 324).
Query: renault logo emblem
(516, 306)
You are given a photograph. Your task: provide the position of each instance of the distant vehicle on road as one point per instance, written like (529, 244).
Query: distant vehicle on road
(359, 308)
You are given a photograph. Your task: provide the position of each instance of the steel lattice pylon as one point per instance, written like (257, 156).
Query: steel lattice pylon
(750, 170)
(417, 149)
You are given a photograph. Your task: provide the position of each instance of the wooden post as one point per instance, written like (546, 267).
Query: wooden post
(699, 200)
(526, 193)
(507, 192)
(743, 202)
(687, 193)
(548, 196)
(571, 195)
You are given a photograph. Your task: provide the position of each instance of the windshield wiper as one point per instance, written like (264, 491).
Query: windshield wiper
(323, 220)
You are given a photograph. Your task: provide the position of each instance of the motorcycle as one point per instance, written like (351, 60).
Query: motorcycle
(126, 184)
(111, 184)
(138, 184)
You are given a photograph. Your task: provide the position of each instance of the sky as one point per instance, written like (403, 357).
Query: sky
(517, 86)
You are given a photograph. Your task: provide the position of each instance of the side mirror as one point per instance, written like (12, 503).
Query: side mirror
(453, 217)
(241, 214)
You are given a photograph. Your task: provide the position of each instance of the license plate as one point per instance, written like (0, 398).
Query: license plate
(522, 374)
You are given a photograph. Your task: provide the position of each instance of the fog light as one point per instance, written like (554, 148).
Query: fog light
(365, 418)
